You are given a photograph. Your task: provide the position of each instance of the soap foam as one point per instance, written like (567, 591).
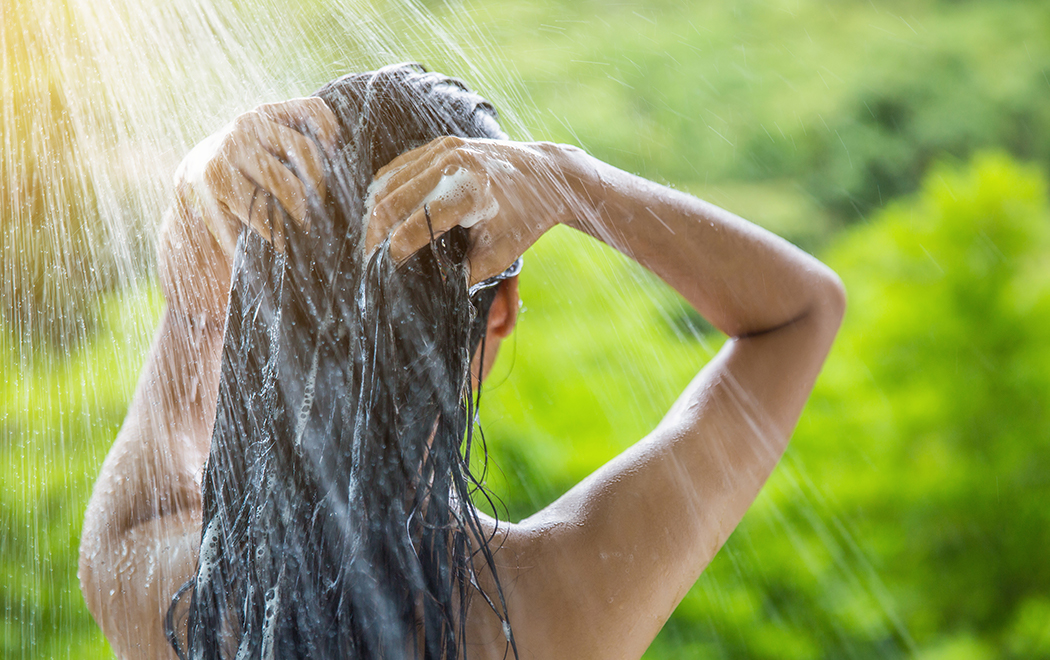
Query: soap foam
(452, 188)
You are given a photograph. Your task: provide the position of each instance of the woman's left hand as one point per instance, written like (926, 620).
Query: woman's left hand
(507, 193)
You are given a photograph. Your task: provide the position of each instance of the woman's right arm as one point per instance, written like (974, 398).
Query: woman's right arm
(597, 573)
(141, 529)
(615, 555)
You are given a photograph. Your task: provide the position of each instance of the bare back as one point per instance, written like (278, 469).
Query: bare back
(596, 573)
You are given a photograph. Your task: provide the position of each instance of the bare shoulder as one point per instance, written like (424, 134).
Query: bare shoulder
(548, 608)
(597, 573)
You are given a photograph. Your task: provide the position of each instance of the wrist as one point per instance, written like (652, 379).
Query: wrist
(575, 183)
(591, 191)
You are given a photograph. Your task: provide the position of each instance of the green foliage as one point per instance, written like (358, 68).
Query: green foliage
(46, 210)
(57, 421)
(907, 518)
(801, 114)
(45, 205)
(941, 380)
(66, 237)
(600, 351)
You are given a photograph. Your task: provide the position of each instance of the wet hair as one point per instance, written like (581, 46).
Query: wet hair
(331, 528)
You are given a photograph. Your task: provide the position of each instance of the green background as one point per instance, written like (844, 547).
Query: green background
(907, 144)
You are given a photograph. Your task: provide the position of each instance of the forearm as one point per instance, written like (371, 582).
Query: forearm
(153, 468)
(167, 431)
(143, 521)
(742, 278)
(193, 269)
(781, 308)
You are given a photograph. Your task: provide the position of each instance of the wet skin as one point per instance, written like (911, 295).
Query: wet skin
(595, 574)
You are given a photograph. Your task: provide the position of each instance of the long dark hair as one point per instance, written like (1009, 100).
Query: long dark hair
(334, 527)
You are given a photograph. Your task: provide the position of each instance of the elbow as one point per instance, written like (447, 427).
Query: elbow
(103, 544)
(88, 572)
(827, 308)
(823, 307)
(831, 299)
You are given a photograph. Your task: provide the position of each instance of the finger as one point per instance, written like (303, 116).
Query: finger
(396, 206)
(260, 216)
(416, 232)
(300, 152)
(243, 203)
(447, 183)
(266, 171)
(310, 115)
(279, 219)
(271, 221)
(224, 190)
(296, 152)
(390, 179)
(223, 226)
(425, 154)
(446, 154)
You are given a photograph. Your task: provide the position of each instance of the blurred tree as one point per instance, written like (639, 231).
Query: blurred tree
(913, 112)
(54, 257)
(46, 209)
(816, 113)
(907, 515)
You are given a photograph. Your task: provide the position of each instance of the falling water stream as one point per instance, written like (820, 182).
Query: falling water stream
(102, 98)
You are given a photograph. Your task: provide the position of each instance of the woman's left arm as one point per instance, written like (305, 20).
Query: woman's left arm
(141, 532)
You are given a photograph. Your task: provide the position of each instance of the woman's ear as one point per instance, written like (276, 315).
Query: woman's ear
(503, 314)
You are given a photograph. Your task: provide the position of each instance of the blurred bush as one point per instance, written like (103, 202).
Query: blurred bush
(930, 425)
(58, 417)
(47, 212)
(908, 518)
(910, 111)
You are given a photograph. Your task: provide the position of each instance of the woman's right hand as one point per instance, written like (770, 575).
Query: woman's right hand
(507, 194)
(264, 166)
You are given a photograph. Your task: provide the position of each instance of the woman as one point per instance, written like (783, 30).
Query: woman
(596, 573)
